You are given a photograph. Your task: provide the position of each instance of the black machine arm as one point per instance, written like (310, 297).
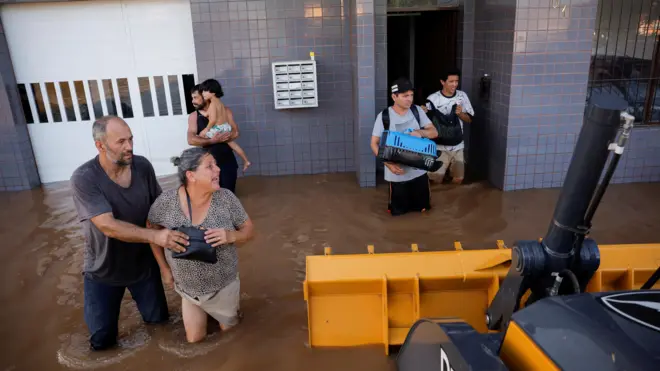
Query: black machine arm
(566, 253)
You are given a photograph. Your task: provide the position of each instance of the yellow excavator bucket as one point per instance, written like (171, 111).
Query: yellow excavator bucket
(367, 299)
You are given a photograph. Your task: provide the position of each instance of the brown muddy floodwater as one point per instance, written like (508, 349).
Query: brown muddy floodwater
(41, 320)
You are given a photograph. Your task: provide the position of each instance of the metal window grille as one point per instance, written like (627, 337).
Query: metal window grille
(625, 55)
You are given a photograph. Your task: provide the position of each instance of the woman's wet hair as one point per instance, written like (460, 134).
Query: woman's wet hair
(189, 160)
(213, 86)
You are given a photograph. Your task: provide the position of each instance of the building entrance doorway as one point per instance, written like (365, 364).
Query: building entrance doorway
(420, 45)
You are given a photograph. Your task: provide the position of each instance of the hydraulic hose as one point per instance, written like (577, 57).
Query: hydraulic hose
(617, 148)
(574, 280)
(554, 290)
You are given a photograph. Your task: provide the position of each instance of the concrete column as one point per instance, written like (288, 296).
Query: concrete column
(368, 42)
(18, 169)
(493, 30)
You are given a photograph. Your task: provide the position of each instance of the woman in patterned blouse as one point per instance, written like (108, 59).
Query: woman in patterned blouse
(204, 288)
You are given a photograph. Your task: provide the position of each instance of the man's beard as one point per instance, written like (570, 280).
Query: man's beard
(201, 107)
(121, 161)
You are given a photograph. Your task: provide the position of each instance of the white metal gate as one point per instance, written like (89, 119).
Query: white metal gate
(76, 61)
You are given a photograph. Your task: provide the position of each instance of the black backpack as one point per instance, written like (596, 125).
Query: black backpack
(448, 126)
(385, 115)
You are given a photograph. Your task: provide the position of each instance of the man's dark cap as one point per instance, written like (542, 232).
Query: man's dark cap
(401, 85)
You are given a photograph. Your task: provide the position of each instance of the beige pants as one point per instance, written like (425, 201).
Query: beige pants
(452, 160)
(222, 305)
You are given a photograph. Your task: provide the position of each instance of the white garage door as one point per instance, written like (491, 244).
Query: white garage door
(76, 61)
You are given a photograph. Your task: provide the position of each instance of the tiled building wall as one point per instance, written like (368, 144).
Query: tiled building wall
(236, 42)
(465, 60)
(382, 85)
(552, 54)
(494, 24)
(18, 170)
(551, 60)
(465, 48)
(351, 18)
(366, 73)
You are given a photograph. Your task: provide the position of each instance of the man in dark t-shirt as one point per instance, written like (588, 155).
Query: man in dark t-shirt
(113, 193)
(217, 145)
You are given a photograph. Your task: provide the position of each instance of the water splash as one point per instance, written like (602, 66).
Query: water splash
(75, 352)
(173, 340)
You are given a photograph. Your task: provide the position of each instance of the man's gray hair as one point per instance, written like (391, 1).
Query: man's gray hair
(99, 127)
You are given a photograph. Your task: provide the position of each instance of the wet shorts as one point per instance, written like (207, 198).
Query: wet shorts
(412, 195)
(453, 160)
(222, 305)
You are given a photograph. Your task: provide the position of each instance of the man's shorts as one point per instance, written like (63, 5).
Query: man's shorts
(222, 305)
(412, 195)
(454, 161)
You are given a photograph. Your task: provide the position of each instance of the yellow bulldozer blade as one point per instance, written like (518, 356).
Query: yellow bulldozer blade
(367, 299)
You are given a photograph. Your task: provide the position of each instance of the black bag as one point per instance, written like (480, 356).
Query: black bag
(448, 126)
(198, 249)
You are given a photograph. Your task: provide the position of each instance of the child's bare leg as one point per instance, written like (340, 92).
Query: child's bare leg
(236, 148)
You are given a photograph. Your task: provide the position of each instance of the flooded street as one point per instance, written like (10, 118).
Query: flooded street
(41, 320)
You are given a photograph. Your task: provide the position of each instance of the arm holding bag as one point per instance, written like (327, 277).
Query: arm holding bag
(450, 132)
(198, 249)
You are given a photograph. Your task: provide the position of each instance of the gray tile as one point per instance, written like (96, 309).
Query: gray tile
(304, 167)
(266, 138)
(319, 151)
(283, 138)
(302, 152)
(318, 134)
(204, 51)
(285, 168)
(336, 151)
(301, 134)
(320, 166)
(285, 153)
(267, 154)
(335, 133)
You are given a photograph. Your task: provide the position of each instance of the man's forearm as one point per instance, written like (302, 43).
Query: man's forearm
(196, 140)
(243, 234)
(429, 133)
(465, 117)
(127, 232)
(374, 148)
